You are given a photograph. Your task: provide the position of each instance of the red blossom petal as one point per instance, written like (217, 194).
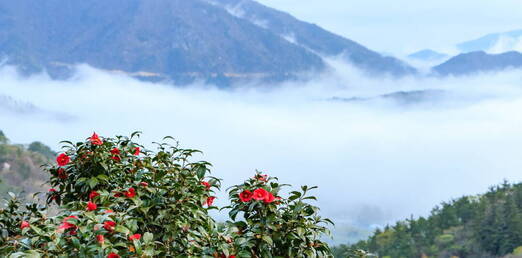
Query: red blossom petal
(130, 193)
(245, 196)
(135, 237)
(269, 198)
(210, 200)
(100, 239)
(95, 139)
(260, 194)
(109, 225)
(113, 255)
(93, 194)
(63, 159)
(206, 184)
(24, 224)
(91, 206)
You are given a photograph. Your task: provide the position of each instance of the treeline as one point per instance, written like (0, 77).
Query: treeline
(488, 225)
(20, 166)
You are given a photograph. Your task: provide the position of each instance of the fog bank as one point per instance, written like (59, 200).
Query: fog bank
(374, 159)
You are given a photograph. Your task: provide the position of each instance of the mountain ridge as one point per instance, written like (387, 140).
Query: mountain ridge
(479, 61)
(175, 40)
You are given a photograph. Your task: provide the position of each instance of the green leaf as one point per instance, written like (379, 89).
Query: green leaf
(37, 230)
(93, 182)
(267, 239)
(147, 237)
(122, 229)
(201, 171)
(300, 231)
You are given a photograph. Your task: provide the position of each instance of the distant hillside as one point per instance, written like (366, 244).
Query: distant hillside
(488, 225)
(475, 62)
(494, 43)
(177, 40)
(427, 55)
(20, 166)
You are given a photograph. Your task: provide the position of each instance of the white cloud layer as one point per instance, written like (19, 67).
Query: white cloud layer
(374, 161)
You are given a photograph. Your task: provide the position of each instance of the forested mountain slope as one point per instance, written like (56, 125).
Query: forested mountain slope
(489, 225)
(20, 169)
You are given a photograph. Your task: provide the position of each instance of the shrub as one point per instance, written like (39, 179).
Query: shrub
(116, 198)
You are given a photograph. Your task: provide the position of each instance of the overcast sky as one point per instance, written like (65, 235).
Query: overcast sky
(403, 26)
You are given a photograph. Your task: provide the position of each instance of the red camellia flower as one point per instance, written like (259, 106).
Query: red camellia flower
(66, 225)
(24, 224)
(206, 184)
(269, 198)
(137, 151)
(135, 237)
(130, 193)
(115, 151)
(210, 200)
(116, 158)
(245, 196)
(91, 206)
(109, 211)
(63, 159)
(113, 255)
(144, 184)
(109, 225)
(93, 194)
(260, 194)
(100, 239)
(61, 174)
(52, 190)
(95, 139)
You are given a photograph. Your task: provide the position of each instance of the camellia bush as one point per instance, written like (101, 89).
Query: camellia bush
(111, 197)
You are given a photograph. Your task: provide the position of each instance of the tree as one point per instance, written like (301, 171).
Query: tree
(117, 198)
(3, 138)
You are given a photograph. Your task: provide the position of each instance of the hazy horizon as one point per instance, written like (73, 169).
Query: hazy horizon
(403, 27)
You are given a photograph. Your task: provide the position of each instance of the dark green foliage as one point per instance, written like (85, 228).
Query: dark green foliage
(489, 225)
(43, 149)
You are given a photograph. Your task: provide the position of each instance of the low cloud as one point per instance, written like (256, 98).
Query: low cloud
(374, 160)
(505, 44)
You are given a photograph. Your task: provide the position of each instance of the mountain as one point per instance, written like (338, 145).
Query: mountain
(20, 169)
(488, 225)
(400, 97)
(475, 62)
(494, 43)
(427, 55)
(176, 40)
(314, 38)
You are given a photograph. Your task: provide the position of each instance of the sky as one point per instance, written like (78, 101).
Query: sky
(401, 27)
